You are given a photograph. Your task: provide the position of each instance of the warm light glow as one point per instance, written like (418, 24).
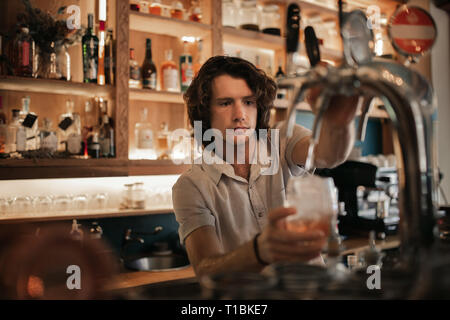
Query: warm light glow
(188, 39)
(102, 10)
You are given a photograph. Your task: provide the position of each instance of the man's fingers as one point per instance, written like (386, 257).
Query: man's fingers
(280, 213)
(282, 235)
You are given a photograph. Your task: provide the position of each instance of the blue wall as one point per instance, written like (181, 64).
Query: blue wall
(373, 140)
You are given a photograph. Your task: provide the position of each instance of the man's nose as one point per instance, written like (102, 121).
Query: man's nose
(238, 111)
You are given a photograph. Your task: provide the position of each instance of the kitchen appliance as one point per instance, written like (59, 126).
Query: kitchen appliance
(350, 178)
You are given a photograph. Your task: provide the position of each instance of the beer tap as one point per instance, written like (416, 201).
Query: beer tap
(410, 104)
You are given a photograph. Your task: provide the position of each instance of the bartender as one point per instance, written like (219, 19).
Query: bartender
(231, 216)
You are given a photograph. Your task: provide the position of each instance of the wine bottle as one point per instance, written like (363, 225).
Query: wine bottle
(90, 52)
(149, 68)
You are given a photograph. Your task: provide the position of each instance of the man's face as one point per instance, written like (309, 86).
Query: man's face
(233, 106)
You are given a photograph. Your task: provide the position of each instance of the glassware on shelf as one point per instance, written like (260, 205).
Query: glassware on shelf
(144, 138)
(163, 142)
(80, 202)
(138, 196)
(169, 73)
(270, 19)
(229, 13)
(62, 203)
(127, 196)
(23, 53)
(99, 201)
(155, 7)
(249, 15)
(135, 72)
(4, 206)
(22, 204)
(74, 136)
(195, 12)
(43, 204)
(177, 10)
(144, 6)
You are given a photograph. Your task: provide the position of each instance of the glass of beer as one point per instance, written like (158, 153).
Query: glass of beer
(315, 199)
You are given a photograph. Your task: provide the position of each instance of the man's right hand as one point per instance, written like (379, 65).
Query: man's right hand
(277, 244)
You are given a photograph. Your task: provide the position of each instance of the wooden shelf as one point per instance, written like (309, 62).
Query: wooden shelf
(253, 39)
(12, 83)
(11, 169)
(91, 214)
(156, 96)
(167, 26)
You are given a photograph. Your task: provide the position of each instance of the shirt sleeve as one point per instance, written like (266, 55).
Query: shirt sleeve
(299, 132)
(189, 207)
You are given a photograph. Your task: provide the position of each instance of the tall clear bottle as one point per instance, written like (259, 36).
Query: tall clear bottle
(148, 68)
(29, 121)
(101, 80)
(48, 137)
(144, 138)
(65, 126)
(186, 69)
(90, 52)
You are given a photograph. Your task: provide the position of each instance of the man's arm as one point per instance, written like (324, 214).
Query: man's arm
(274, 244)
(337, 135)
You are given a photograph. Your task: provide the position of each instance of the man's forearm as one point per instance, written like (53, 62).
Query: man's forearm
(241, 259)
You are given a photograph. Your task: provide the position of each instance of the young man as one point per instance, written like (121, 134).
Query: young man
(231, 217)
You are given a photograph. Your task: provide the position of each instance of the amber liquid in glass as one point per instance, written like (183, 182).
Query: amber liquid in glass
(303, 225)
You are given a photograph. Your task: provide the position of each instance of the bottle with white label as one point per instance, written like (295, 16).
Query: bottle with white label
(169, 73)
(144, 138)
(48, 138)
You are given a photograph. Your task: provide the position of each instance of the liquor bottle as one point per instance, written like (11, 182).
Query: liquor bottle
(143, 133)
(149, 68)
(155, 7)
(280, 72)
(163, 140)
(3, 127)
(186, 70)
(110, 49)
(11, 135)
(23, 53)
(177, 10)
(169, 73)
(29, 121)
(101, 54)
(48, 138)
(135, 72)
(94, 147)
(74, 137)
(195, 12)
(198, 59)
(90, 52)
(281, 93)
(65, 126)
(106, 138)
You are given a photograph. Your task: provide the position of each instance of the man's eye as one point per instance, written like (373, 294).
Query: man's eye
(249, 102)
(224, 104)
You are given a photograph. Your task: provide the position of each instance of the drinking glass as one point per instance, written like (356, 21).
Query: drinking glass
(22, 204)
(4, 206)
(315, 199)
(44, 204)
(80, 202)
(62, 203)
(99, 201)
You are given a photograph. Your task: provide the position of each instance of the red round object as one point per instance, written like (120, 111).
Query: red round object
(412, 30)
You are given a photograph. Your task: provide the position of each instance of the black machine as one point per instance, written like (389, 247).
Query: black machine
(356, 182)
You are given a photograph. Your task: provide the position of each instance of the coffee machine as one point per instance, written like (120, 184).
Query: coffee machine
(360, 185)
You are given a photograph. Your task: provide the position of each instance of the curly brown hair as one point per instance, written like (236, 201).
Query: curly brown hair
(198, 95)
